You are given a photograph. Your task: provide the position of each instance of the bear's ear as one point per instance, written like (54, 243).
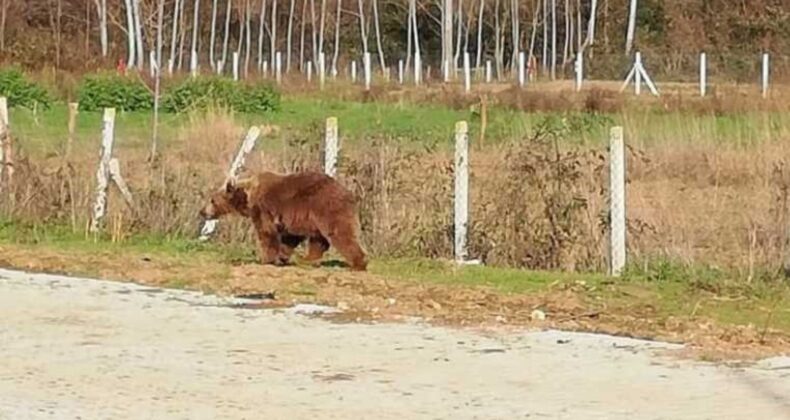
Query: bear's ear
(230, 186)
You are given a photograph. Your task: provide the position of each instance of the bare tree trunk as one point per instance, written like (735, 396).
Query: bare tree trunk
(261, 31)
(629, 36)
(130, 32)
(195, 30)
(182, 36)
(140, 48)
(516, 31)
(545, 57)
(314, 45)
(213, 35)
(288, 37)
(3, 17)
(58, 16)
(101, 13)
(447, 34)
(409, 34)
(579, 41)
(322, 25)
(566, 45)
(362, 31)
(498, 50)
(553, 39)
(226, 38)
(382, 60)
(534, 34)
(336, 52)
(248, 50)
(479, 58)
(240, 44)
(174, 38)
(591, 24)
(273, 39)
(460, 18)
(158, 78)
(303, 24)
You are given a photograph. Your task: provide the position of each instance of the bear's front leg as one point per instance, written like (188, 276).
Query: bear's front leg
(268, 240)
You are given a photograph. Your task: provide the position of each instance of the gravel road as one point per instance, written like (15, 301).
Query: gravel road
(91, 349)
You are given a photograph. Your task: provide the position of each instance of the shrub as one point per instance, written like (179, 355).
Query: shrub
(215, 91)
(114, 91)
(19, 91)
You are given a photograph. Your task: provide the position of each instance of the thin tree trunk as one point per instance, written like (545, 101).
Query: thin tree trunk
(460, 18)
(629, 36)
(140, 47)
(516, 31)
(261, 31)
(303, 24)
(553, 39)
(101, 13)
(288, 37)
(182, 36)
(3, 17)
(195, 30)
(240, 44)
(534, 34)
(382, 60)
(226, 38)
(322, 25)
(479, 58)
(362, 32)
(58, 18)
(579, 41)
(174, 38)
(273, 39)
(336, 52)
(566, 46)
(314, 45)
(213, 36)
(447, 34)
(248, 50)
(545, 57)
(498, 51)
(131, 33)
(158, 79)
(409, 34)
(591, 24)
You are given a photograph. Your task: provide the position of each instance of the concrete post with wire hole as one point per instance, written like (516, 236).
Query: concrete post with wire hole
(467, 74)
(703, 74)
(766, 74)
(617, 219)
(368, 71)
(103, 172)
(331, 147)
(210, 226)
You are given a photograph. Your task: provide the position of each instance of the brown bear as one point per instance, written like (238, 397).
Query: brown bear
(287, 209)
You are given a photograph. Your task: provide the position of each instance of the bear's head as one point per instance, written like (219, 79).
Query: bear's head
(230, 199)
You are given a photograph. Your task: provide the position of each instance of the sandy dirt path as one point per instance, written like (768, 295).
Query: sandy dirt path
(81, 348)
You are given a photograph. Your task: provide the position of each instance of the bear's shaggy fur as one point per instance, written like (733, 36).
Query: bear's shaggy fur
(287, 209)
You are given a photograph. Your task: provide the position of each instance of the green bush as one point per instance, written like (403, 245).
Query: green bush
(123, 93)
(21, 92)
(201, 93)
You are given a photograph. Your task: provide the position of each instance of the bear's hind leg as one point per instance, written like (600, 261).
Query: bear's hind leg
(344, 239)
(316, 247)
(288, 243)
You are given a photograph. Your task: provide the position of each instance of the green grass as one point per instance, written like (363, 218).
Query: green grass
(44, 132)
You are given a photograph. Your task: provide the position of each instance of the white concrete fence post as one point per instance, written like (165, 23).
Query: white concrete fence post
(489, 71)
(367, 69)
(103, 172)
(579, 69)
(461, 196)
(152, 63)
(278, 67)
(354, 71)
(617, 219)
(766, 74)
(417, 69)
(235, 66)
(522, 67)
(331, 147)
(210, 226)
(321, 70)
(309, 71)
(265, 67)
(703, 74)
(193, 64)
(467, 74)
(400, 72)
